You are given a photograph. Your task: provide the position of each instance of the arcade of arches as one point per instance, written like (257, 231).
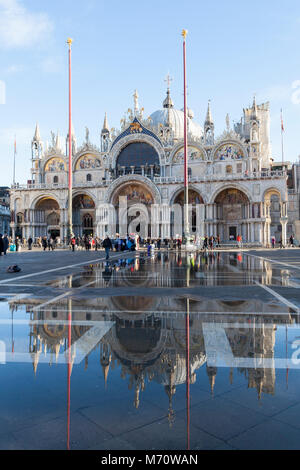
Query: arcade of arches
(232, 213)
(49, 219)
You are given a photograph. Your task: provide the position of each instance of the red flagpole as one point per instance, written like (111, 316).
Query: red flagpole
(70, 208)
(282, 145)
(15, 152)
(186, 189)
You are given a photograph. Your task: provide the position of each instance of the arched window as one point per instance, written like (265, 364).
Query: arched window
(89, 177)
(137, 155)
(87, 221)
(55, 179)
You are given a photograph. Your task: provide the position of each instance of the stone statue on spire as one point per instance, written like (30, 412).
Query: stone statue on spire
(227, 123)
(87, 136)
(136, 102)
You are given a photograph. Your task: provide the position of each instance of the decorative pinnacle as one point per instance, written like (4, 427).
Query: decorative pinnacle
(184, 33)
(69, 42)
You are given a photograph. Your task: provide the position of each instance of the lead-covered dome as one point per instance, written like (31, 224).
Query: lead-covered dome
(175, 118)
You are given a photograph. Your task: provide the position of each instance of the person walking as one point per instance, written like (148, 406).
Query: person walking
(44, 243)
(17, 243)
(239, 241)
(273, 241)
(5, 243)
(292, 240)
(73, 243)
(107, 245)
(30, 241)
(53, 243)
(97, 244)
(1, 245)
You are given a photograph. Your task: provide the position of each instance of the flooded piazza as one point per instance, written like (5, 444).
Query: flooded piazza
(172, 351)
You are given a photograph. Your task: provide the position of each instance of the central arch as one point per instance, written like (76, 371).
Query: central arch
(132, 202)
(195, 200)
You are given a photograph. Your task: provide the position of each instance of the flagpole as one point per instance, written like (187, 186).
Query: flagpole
(70, 198)
(186, 184)
(282, 144)
(14, 173)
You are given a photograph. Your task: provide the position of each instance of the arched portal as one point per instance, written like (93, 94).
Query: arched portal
(232, 210)
(275, 213)
(195, 200)
(84, 215)
(132, 202)
(47, 218)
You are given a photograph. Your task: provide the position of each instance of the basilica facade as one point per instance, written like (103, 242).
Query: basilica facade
(232, 183)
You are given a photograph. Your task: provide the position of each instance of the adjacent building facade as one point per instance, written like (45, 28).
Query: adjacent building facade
(234, 186)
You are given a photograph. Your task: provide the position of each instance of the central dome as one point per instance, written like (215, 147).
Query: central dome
(176, 119)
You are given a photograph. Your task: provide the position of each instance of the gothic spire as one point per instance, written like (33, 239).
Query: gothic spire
(37, 136)
(254, 108)
(57, 142)
(105, 124)
(209, 119)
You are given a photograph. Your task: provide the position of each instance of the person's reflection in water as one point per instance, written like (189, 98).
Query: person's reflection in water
(107, 273)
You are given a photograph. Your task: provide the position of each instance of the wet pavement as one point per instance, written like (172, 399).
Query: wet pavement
(172, 351)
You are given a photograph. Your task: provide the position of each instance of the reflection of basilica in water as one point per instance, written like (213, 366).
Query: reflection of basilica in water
(147, 336)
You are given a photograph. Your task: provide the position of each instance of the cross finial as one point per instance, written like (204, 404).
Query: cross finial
(168, 79)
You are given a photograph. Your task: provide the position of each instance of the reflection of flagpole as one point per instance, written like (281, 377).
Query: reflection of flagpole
(12, 332)
(188, 363)
(286, 354)
(69, 363)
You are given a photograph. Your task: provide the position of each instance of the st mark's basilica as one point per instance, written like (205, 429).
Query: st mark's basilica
(232, 178)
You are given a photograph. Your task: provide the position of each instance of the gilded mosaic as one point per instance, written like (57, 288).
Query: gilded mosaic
(88, 162)
(55, 165)
(229, 152)
(194, 154)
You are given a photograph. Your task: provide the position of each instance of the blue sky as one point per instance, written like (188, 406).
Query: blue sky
(235, 49)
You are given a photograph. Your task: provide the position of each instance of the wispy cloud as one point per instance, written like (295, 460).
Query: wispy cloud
(275, 93)
(52, 65)
(14, 68)
(20, 27)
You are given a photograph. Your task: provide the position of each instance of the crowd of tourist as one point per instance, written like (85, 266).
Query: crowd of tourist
(117, 243)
